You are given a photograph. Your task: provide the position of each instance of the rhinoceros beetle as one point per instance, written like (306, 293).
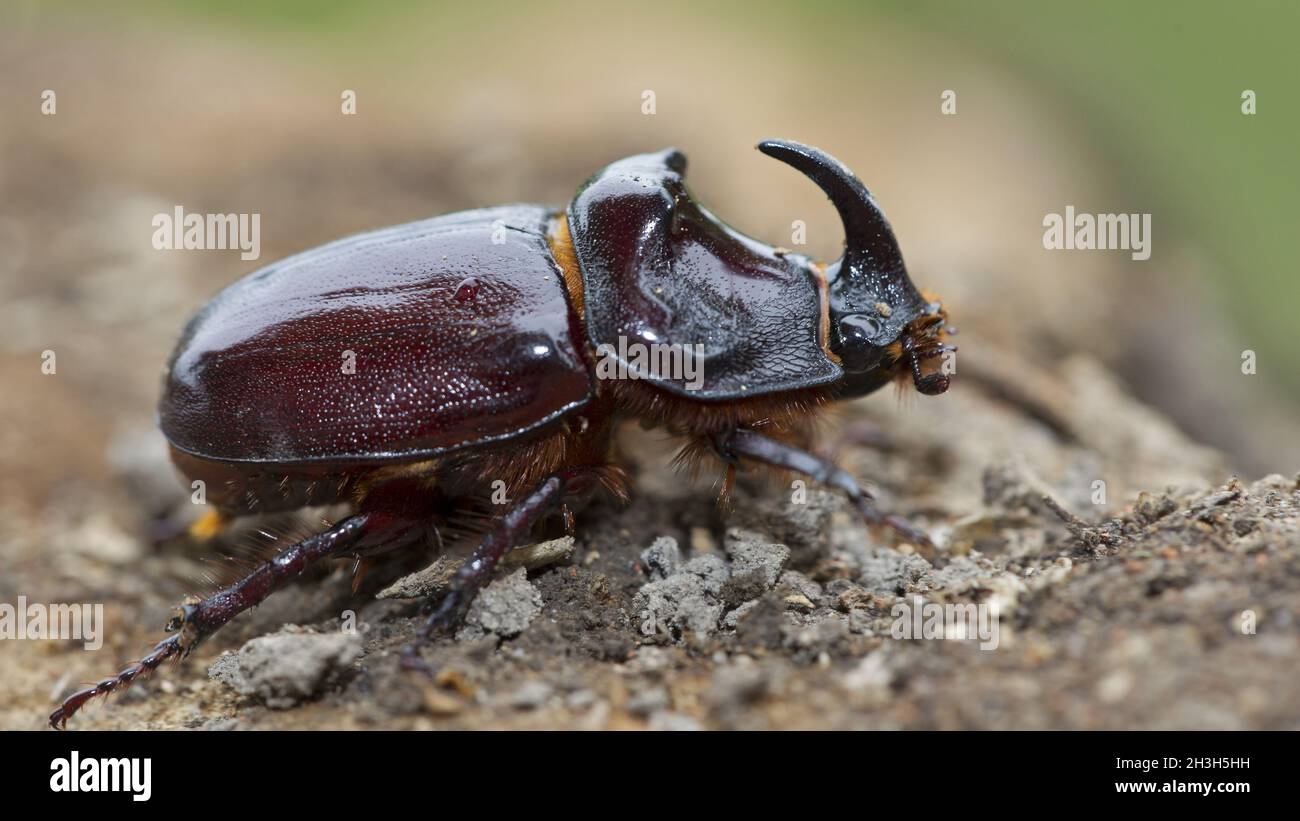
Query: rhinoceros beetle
(477, 342)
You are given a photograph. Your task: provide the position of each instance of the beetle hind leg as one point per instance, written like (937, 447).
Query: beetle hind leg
(195, 619)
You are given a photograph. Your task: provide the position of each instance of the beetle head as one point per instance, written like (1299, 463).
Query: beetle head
(880, 325)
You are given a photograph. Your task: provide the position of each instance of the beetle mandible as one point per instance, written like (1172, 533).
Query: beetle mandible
(475, 337)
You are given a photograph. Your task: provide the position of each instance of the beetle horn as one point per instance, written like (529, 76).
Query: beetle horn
(871, 269)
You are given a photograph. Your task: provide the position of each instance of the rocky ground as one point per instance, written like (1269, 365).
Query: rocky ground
(1173, 607)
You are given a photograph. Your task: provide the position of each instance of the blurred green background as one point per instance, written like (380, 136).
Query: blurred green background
(1108, 106)
(1156, 89)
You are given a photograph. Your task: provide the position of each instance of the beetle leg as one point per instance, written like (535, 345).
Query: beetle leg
(508, 531)
(748, 444)
(194, 619)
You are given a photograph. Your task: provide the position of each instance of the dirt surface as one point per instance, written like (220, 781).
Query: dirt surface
(1171, 601)
(1176, 610)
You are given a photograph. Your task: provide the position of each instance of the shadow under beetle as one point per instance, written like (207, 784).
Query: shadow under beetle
(473, 341)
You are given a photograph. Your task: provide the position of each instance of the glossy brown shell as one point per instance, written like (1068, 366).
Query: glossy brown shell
(659, 269)
(459, 340)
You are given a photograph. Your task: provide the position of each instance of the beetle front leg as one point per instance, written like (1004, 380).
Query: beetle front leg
(748, 444)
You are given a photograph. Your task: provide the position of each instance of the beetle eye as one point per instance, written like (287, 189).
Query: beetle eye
(856, 348)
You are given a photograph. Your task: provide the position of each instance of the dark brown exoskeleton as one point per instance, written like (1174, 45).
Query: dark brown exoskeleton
(501, 347)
